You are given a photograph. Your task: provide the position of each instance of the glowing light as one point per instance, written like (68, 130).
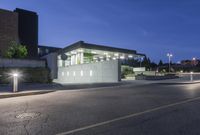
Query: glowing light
(74, 74)
(116, 54)
(81, 72)
(130, 56)
(169, 54)
(122, 57)
(15, 74)
(108, 56)
(91, 73)
(93, 52)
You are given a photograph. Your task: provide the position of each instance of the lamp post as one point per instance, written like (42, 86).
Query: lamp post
(169, 55)
(193, 61)
(15, 82)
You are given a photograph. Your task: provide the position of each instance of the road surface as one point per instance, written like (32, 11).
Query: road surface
(144, 109)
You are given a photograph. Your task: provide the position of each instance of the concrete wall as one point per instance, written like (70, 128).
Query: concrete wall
(8, 29)
(106, 71)
(21, 63)
(52, 64)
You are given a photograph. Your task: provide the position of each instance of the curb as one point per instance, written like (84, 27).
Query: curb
(10, 95)
(183, 83)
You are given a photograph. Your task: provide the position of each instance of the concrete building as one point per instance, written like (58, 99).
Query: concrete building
(88, 63)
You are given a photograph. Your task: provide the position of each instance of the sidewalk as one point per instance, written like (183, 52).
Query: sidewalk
(23, 93)
(35, 89)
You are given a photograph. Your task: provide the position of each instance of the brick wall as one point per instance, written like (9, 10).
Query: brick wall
(8, 29)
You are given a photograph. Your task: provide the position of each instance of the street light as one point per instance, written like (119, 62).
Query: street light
(193, 61)
(15, 81)
(169, 55)
(141, 59)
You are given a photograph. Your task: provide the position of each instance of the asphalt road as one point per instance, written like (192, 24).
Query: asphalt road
(148, 109)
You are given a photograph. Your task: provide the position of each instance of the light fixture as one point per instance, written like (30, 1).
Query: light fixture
(116, 54)
(15, 81)
(122, 57)
(90, 72)
(81, 72)
(93, 52)
(130, 56)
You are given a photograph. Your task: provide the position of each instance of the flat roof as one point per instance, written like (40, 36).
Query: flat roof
(82, 44)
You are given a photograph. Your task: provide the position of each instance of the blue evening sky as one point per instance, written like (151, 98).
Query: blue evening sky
(153, 27)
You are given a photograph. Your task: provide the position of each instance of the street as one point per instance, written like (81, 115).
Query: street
(143, 109)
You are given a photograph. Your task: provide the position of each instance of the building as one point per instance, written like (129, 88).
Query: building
(8, 29)
(81, 53)
(19, 26)
(45, 50)
(80, 62)
(88, 63)
(192, 62)
(28, 30)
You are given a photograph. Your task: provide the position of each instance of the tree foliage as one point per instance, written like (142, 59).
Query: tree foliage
(16, 51)
(160, 63)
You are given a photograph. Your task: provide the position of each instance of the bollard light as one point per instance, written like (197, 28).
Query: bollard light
(191, 76)
(15, 81)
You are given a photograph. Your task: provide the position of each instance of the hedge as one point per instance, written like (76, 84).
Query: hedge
(28, 75)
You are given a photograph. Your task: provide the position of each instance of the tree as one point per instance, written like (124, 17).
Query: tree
(146, 62)
(160, 63)
(16, 51)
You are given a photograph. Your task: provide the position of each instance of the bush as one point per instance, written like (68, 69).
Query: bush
(16, 51)
(126, 70)
(29, 75)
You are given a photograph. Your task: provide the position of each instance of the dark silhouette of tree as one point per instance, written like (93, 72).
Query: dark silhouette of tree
(160, 63)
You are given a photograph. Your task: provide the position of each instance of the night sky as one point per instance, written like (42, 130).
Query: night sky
(153, 27)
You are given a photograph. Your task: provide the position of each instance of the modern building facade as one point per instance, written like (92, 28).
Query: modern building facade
(82, 53)
(89, 63)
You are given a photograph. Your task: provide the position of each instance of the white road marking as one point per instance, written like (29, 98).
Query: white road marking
(128, 116)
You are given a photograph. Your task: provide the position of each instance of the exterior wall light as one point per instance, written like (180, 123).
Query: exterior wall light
(91, 73)
(130, 56)
(81, 72)
(122, 57)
